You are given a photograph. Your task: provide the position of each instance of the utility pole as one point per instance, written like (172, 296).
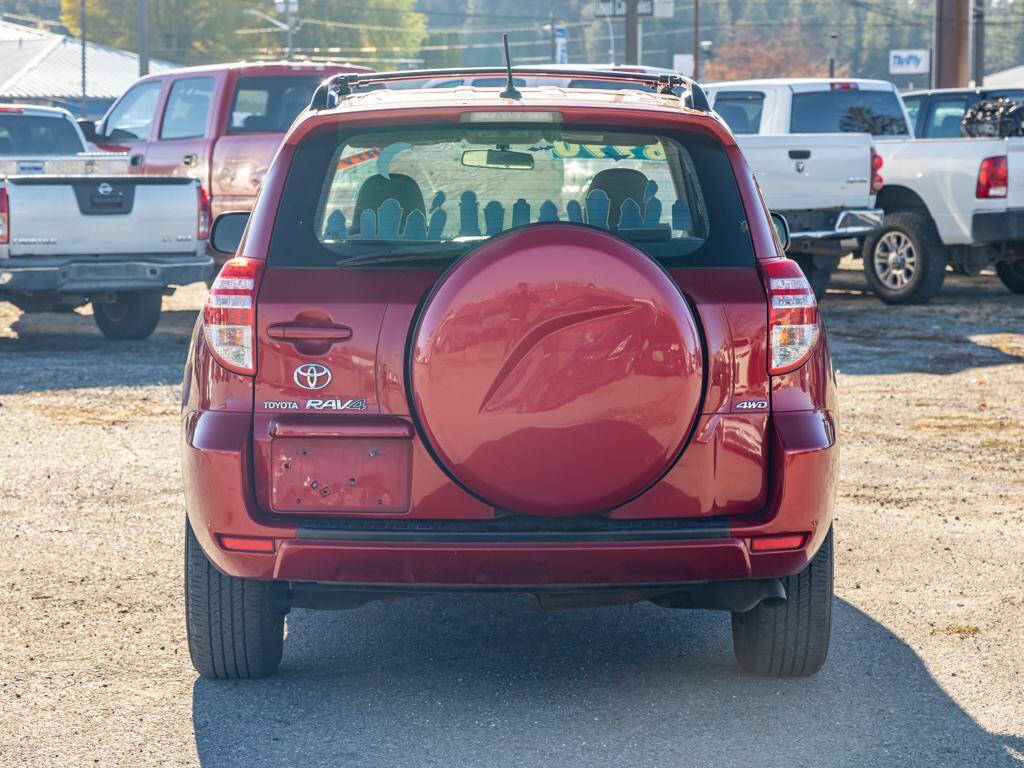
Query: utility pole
(952, 43)
(143, 37)
(632, 32)
(551, 28)
(85, 97)
(979, 43)
(696, 40)
(290, 20)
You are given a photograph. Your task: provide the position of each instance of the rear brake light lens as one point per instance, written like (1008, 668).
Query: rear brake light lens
(203, 221)
(877, 182)
(844, 86)
(777, 543)
(5, 217)
(792, 315)
(992, 177)
(229, 318)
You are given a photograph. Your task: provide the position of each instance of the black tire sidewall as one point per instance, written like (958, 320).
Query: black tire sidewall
(137, 318)
(1012, 275)
(931, 259)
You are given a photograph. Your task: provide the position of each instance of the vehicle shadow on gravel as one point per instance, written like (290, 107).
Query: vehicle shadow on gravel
(55, 351)
(488, 681)
(973, 322)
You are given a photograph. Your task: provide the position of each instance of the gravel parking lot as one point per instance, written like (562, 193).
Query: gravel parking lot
(927, 661)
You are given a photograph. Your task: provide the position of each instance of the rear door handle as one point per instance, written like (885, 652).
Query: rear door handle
(293, 332)
(135, 161)
(800, 154)
(189, 160)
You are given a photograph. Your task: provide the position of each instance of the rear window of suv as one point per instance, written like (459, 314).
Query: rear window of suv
(435, 193)
(847, 110)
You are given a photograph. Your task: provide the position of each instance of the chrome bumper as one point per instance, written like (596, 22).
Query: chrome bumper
(848, 224)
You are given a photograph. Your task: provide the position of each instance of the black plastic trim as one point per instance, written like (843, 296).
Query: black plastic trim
(517, 528)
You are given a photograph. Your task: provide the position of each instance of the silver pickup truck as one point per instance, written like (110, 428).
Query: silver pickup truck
(91, 233)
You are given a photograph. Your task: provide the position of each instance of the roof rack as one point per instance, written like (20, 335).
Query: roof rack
(332, 90)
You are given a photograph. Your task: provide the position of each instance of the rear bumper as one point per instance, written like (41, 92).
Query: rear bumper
(833, 224)
(422, 554)
(998, 226)
(78, 275)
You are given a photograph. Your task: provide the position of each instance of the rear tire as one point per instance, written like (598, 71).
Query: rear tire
(1012, 275)
(905, 261)
(818, 278)
(235, 629)
(131, 317)
(790, 640)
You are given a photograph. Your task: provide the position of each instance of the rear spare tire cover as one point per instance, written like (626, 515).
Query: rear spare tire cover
(556, 370)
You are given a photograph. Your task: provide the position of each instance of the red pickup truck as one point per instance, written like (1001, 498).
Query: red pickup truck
(220, 124)
(479, 340)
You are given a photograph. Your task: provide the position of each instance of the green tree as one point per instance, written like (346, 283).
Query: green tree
(376, 32)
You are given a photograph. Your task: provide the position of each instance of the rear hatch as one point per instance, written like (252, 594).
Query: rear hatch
(59, 216)
(536, 321)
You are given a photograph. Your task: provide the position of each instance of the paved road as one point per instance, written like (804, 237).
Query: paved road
(925, 670)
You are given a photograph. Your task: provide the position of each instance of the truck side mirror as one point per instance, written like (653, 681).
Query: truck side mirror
(781, 229)
(88, 129)
(227, 231)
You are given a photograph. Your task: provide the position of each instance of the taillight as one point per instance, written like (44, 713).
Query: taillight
(844, 86)
(877, 182)
(5, 217)
(792, 315)
(992, 177)
(229, 318)
(203, 220)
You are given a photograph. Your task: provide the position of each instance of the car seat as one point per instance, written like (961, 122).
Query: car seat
(620, 184)
(377, 189)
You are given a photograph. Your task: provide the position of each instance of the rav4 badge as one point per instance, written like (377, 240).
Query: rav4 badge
(336, 404)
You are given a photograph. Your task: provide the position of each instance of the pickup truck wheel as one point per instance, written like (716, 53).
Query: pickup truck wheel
(132, 316)
(790, 640)
(235, 629)
(1012, 275)
(905, 261)
(817, 277)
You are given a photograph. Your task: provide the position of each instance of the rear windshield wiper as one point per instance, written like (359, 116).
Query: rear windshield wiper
(425, 252)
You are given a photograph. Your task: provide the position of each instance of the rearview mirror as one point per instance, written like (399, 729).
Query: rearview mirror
(498, 158)
(88, 129)
(781, 229)
(227, 231)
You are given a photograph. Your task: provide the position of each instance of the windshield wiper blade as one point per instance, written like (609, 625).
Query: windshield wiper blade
(427, 252)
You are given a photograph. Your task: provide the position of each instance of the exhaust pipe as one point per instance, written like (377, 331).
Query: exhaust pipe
(733, 596)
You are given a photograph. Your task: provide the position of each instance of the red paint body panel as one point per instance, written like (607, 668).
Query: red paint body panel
(750, 472)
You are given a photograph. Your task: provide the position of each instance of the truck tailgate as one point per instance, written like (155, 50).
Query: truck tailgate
(811, 170)
(70, 215)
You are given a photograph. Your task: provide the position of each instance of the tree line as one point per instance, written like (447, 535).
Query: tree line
(741, 38)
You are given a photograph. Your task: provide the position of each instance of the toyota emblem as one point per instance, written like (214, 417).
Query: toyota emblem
(312, 376)
(104, 189)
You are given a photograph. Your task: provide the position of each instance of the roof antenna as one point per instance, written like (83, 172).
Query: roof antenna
(510, 91)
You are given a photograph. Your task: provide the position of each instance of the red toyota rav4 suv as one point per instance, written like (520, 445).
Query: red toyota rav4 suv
(477, 339)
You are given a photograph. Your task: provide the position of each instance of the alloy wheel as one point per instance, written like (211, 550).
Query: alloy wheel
(895, 260)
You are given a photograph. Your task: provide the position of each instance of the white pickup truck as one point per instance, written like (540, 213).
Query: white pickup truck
(822, 183)
(91, 234)
(957, 201)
